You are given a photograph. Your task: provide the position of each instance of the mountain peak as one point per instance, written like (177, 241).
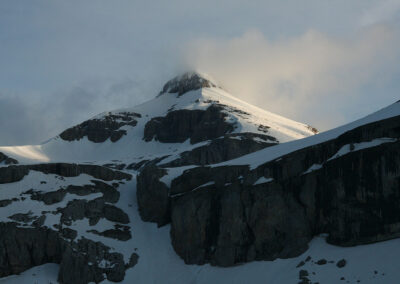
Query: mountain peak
(186, 82)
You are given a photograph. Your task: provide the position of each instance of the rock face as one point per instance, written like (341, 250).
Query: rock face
(7, 160)
(348, 187)
(154, 197)
(16, 173)
(180, 125)
(81, 262)
(222, 149)
(99, 130)
(27, 239)
(187, 82)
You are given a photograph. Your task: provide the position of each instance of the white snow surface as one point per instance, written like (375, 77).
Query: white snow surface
(363, 145)
(263, 180)
(131, 147)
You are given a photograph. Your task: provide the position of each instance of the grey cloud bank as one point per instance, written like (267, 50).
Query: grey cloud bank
(320, 62)
(298, 76)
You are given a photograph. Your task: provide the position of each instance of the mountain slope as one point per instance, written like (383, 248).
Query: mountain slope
(269, 204)
(71, 200)
(225, 174)
(120, 134)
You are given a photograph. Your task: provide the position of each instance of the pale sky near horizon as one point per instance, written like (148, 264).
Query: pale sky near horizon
(316, 61)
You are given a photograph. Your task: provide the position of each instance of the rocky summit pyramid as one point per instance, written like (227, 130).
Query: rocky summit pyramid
(226, 183)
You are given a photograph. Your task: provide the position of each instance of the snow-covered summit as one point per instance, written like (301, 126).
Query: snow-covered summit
(124, 133)
(188, 81)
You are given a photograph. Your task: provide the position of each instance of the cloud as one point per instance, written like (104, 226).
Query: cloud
(26, 119)
(96, 56)
(383, 11)
(310, 77)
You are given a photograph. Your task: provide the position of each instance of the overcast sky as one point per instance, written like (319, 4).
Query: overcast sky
(321, 62)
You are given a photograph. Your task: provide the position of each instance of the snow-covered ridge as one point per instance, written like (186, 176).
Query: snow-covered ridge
(269, 154)
(128, 145)
(258, 158)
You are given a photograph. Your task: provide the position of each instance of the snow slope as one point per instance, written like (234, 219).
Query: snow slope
(268, 154)
(132, 147)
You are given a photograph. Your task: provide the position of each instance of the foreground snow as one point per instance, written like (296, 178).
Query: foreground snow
(158, 263)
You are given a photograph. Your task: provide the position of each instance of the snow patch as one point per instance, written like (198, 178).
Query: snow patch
(263, 180)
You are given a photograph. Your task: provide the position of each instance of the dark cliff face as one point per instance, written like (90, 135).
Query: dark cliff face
(154, 197)
(222, 149)
(180, 125)
(99, 130)
(23, 248)
(7, 160)
(17, 172)
(26, 241)
(231, 214)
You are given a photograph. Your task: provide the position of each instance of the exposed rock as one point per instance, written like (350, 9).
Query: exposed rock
(342, 263)
(49, 197)
(321, 262)
(225, 226)
(81, 262)
(73, 170)
(222, 149)
(92, 210)
(301, 263)
(189, 81)
(180, 125)
(5, 202)
(115, 214)
(303, 276)
(6, 159)
(133, 260)
(12, 173)
(219, 215)
(69, 233)
(99, 130)
(121, 233)
(137, 166)
(39, 221)
(110, 194)
(153, 196)
(303, 273)
(23, 217)
(87, 261)
(16, 173)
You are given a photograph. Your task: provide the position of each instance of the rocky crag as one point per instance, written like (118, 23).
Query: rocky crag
(347, 187)
(38, 220)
